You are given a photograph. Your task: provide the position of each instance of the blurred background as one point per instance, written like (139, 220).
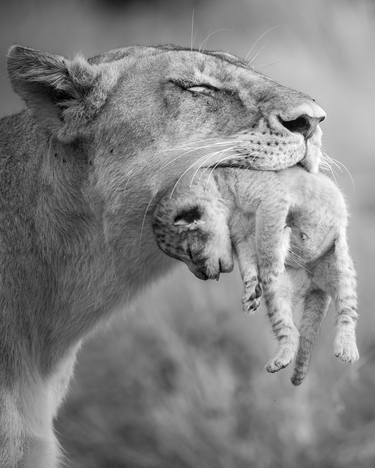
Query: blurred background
(178, 380)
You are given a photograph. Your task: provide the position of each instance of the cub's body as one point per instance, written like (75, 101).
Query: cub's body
(272, 218)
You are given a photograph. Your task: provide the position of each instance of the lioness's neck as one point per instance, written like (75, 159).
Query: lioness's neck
(71, 270)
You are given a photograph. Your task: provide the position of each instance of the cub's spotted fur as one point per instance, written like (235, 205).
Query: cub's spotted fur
(290, 217)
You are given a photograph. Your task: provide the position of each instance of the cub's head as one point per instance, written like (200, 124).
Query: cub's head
(145, 115)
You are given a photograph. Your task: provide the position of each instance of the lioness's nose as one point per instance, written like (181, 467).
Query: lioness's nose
(302, 119)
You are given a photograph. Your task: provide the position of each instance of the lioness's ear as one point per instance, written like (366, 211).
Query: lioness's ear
(62, 94)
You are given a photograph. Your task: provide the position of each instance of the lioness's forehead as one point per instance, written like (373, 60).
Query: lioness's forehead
(204, 54)
(213, 66)
(138, 52)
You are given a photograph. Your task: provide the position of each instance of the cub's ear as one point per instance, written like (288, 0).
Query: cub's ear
(63, 95)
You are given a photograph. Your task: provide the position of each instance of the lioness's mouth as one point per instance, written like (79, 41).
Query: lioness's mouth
(232, 165)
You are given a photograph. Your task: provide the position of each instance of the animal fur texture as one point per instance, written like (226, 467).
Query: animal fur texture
(81, 170)
(272, 219)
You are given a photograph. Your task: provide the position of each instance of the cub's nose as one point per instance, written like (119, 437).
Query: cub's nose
(303, 119)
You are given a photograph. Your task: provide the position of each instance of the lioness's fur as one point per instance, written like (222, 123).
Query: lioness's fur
(80, 170)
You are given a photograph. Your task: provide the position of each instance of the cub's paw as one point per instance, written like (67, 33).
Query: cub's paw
(282, 359)
(345, 347)
(251, 295)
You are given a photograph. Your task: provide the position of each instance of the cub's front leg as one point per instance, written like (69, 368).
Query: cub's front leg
(272, 240)
(242, 227)
(279, 304)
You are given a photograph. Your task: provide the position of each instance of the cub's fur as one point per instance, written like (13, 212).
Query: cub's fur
(80, 171)
(202, 218)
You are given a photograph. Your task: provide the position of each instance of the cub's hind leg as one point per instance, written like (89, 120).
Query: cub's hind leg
(279, 309)
(336, 275)
(345, 295)
(316, 304)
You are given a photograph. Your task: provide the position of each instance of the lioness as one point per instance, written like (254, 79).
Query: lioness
(81, 169)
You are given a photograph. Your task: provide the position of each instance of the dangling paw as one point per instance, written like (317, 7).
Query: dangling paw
(282, 359)
(251, 295)
(345, 347)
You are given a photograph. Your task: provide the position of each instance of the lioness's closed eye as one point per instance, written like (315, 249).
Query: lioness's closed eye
(80, 171)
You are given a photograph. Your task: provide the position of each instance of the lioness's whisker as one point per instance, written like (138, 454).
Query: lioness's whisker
(202, 160)
(171, 161)
(326, 165)
(208, 168)
(144, 217)
(255, 56)
(210, 35)
(217, 164)
(216, 153)
(264, 34)
(252, 158)
(297, 259)
(341, 166)
(180, 156)
(185, 172)
(193, 147)
(194, 142)
(192, 31)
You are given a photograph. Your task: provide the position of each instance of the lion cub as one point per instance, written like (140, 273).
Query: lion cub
(289, 226)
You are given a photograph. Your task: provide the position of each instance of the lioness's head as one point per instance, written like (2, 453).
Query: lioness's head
(150, 113)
